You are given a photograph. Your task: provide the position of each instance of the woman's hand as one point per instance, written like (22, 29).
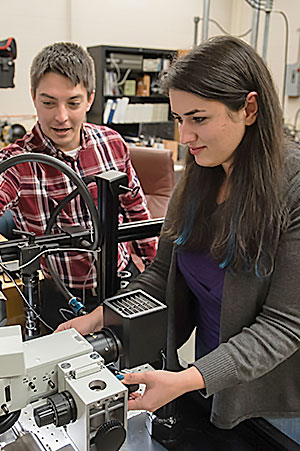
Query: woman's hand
(85, 324)
(162, 387)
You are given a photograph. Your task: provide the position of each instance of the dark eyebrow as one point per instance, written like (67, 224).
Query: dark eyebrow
(78, 96)
(43, 94)
(190, 113)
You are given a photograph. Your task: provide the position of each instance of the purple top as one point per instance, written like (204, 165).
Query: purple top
(205, 279)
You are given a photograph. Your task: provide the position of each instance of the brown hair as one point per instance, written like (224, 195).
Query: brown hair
(240, 232)
(67, 59)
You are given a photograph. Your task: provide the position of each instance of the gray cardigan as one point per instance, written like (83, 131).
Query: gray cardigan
(255, 370)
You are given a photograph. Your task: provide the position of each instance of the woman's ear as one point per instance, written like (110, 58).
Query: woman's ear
(251, 108)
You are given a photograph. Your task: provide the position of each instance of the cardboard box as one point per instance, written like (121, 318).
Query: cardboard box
(143, 86)
(173, 146)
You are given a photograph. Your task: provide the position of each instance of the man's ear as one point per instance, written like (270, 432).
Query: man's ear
(90, 101)
(251, 108)
(32, 95)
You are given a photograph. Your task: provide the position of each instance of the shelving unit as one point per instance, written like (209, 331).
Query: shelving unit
(128, 97)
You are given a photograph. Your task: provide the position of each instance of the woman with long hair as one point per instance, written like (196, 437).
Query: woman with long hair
(229, 253)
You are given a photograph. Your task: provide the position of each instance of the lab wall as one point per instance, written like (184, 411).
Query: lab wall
(142, 23)
(34, 24)
(285, 17)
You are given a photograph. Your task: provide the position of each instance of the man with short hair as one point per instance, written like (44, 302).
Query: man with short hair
(63, 90)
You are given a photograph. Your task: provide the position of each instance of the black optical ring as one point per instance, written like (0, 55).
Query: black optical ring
(64, 168)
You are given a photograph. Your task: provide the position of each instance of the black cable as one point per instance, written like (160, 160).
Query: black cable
(7, 421)
(62, 204)
(57, 281)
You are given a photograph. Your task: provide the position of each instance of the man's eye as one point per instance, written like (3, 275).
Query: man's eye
(47, 103)
(74, 104)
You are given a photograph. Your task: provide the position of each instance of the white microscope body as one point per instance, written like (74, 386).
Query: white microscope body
(87, 396)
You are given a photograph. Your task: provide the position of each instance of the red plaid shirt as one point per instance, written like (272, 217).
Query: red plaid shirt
(32, 191)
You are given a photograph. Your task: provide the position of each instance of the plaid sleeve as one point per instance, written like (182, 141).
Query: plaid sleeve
(9, 182)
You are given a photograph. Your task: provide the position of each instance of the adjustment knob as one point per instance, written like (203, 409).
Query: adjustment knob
(110, 436)
(60, 410)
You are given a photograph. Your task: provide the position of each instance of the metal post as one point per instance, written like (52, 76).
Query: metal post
(255, 24)
(298, 59)
(108, 184)
(268, 9)
(206, 7)
(30, 278)
(196, 22)
(31, 293)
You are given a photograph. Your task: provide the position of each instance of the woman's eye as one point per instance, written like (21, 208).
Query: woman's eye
(177, 119)
(198, 120)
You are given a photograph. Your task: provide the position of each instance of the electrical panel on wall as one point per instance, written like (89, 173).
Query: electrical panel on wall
(293, 80)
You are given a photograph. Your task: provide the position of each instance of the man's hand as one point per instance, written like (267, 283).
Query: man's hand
(161, 387)
(86, 324)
